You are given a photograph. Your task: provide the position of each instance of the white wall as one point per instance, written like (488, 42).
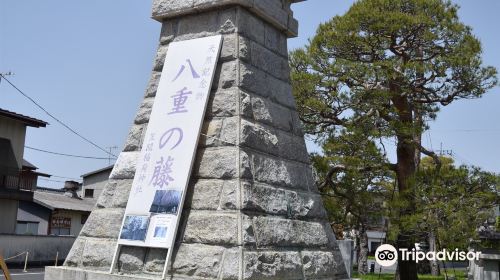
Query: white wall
(41, 248)
(97, 182)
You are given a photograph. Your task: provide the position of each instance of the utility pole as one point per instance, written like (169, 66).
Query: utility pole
(445, 152)
(111, 152)
(3, 74)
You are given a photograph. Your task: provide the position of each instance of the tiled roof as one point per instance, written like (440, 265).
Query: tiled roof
(108, 168)
(25, 119)
(55, 200)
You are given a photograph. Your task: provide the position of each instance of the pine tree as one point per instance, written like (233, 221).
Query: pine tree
(383, 69)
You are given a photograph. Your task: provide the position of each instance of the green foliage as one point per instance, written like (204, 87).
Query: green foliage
(359, 64)
(377, 74)
(454, 201)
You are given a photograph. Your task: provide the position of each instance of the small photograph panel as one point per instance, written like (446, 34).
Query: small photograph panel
(160, 232)
(135, 228)
(166, 202)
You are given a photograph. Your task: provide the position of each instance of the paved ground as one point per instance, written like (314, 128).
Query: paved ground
(18, 274)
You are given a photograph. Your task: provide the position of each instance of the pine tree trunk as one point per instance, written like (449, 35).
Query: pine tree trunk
(406, 170)
(432, 247)
(363, 252)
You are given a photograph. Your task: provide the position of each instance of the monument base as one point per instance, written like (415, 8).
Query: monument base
(67, 273)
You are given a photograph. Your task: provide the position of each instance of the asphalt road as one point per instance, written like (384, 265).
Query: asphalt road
(32, 274)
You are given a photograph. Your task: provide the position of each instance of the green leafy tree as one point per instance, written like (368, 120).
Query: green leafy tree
(354, 196)
(387, 66)
(452, 203)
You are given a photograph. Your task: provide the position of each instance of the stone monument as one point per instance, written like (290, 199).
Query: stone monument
(252, 209)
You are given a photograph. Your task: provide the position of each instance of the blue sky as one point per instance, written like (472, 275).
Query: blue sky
(88, 63)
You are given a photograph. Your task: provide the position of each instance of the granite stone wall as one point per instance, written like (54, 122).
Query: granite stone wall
(252, 209)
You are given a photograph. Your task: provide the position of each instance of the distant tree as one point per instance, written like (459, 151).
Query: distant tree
(452, 203)
(354, 197)
(387, 66)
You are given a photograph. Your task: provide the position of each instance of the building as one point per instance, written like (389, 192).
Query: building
(18, 177)
(488, 265)
(94, 182)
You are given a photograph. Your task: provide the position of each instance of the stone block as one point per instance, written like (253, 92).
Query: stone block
(246, 105)
(105, 200)
(170, 6)
(245, 165)
(245, 49)
(104, 223)
(297, 124)
(210, 133)
(259, 82)
(155, 260)
(265, 199)
(305, 205)
(251, 26)
(259, 137)
(267, 112)
(229, 197)
(131, 259)
(321, 264)
(276, 41)
(229, 131)
(253, 80)
(159, 61)
(144, 111)
(216, 163)
(122, 192)
(273, 231)
(223, 103)
(198, 25)
(269, 62)
(198, 260)
(229, 50)
(211, 228)
(274, 11)
(168, 31)
(231, 264)
(281, 92)
(98, 254)
(135, 138)
(292, 147)
(225, 75)
(204, 194)
(248, 231)
(273, 265)
(274, 171)
(152, 86)
(125, 166)
(227, 20)
(74, 257)
(271, 200)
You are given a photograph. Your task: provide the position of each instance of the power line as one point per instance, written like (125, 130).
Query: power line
(56, 119)
(63, 154)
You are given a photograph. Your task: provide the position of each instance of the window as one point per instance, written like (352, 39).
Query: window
(60, 226)
(60, 231)
(27, 227)
(89, 193)
(374, 246)
(84, 218)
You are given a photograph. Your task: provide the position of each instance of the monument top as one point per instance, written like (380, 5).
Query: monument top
(276, 12)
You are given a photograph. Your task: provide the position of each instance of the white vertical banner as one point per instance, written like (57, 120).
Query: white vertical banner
(169, 147)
